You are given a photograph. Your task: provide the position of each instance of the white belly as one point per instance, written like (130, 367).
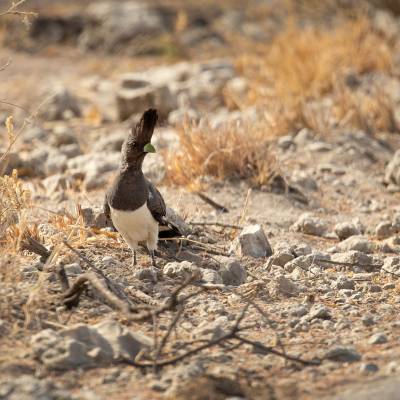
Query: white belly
(136, 226)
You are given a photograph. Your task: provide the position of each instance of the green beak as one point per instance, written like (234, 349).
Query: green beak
(149, 148)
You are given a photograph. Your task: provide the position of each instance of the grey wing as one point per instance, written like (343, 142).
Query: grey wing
(156, 204)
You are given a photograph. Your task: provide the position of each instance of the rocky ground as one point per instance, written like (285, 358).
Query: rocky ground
(289, 290)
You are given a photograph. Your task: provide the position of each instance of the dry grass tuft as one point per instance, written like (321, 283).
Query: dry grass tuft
(14, 199)
(287, 79)
(304, 63)
(371, 111)
(228, 152)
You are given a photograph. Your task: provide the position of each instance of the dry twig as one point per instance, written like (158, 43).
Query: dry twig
(212, 203)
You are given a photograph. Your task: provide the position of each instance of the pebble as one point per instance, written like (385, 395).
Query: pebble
(357, 243)
(147, 274)
(232, 272)
(384, 230)
(319, 311)
(343, 354)
(309, 225)
(378, 338)
(342, 282)
(346, 229)
(368, 368)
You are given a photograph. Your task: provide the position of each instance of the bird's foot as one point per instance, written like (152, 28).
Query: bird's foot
(153, 259)
(134, 261)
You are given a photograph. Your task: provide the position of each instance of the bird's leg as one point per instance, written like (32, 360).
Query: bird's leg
(153, 259)
(134, 258)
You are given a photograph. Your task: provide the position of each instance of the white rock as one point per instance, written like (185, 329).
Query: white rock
(231, 271)
(73, 269)
(342, 354)
(392, 173)
(378, 338)
(141, 95)
(211, 276)
(392, 265)
(84, 346)
(309, 225)
(346, 229)
(286, 286)
(358, 243)
(252, 242)
(61, 105)
(282, 257)
(384, 230)
(319, 311)
(181, 270)
(342, 282)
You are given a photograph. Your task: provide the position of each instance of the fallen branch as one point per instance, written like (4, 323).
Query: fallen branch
(391, 273)
(111, 285)
(13, 10)
(212, 203)
(271, 350)
(215, 223)
(34, 246)
(71, 296)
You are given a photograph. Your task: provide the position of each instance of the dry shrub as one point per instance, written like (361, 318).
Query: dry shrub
(303, 63)
(372, 111)
(227, 152)
(287, 79)
(14, 199)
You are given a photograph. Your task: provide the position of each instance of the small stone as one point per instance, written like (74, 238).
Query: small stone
(3, 327)
(181, 270)
(232, 272)
(392, 173)
(62, 105)
(300, 310)
(319, 311)
(212, 330)
(368, 368)
(73, 269)
(343, 282)
(55, 163)
(391, 265)
(70, 150)
(342, 354)
(357, 243)
(368, 320)
(55, 183)
(375, 288)
(252, 242)
(346, 229)
(285, 142)
(85, 346)
(302, 262)
(309, 225)
(392, 367)
(389, 286)
(109, 261)
(210, 276)
(301, 249)
(384, 230)
(135, 96)
(147, 274)
(286, 286)
(282, 257)
(378, 338)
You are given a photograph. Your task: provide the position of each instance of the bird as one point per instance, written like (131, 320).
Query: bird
(133, 204)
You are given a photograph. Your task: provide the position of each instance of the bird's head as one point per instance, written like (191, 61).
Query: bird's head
(138, 143)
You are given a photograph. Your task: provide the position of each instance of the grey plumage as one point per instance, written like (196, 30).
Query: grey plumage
(131, 191)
